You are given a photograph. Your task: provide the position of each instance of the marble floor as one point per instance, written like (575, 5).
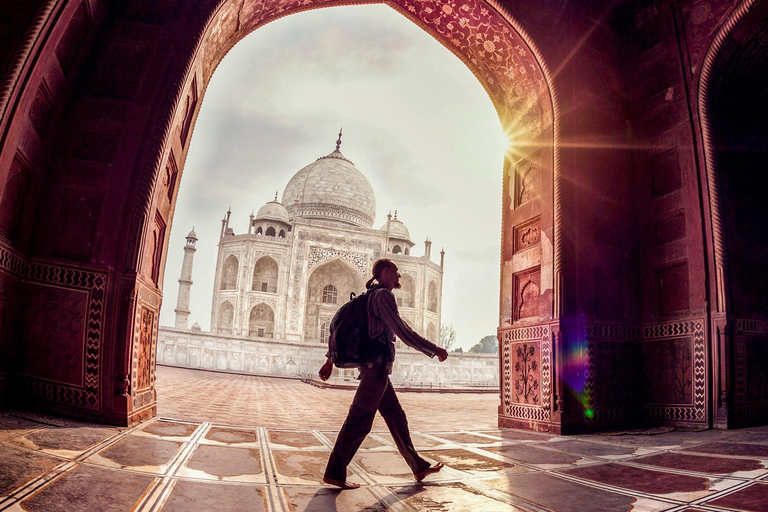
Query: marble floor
(195, 463)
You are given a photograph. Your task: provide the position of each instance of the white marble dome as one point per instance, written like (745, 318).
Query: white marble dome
(331, 188)
(397, 230)
(273, 211)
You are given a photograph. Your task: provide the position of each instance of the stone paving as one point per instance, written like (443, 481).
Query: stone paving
(287, 403)
(189, 463)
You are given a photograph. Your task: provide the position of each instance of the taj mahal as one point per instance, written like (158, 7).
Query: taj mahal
(278, 285)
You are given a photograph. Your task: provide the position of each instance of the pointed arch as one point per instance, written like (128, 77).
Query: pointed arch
(270, 231)
(226, 318)
(261, 321)
(229, 273)
(328, 286)
(406, 295)
(432, 297)
(265, 275)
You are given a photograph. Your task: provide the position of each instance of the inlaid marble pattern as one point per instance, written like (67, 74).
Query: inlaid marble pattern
(175, 465)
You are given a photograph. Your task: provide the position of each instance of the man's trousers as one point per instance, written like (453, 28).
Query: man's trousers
(375, 392)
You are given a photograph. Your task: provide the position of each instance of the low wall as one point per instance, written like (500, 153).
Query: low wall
(203, 350)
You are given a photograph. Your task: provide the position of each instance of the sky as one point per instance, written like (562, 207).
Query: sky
(417, 124)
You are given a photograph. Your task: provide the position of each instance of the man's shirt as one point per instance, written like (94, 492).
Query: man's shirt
(383, 315)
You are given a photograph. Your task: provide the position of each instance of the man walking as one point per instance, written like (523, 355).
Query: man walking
(375, 391)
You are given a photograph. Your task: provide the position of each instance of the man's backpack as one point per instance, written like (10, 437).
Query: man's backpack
(348, 343)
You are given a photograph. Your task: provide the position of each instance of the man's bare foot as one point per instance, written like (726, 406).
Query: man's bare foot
(342, 484)
(432, 469)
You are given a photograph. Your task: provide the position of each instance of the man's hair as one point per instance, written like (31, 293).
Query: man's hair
(378, 266)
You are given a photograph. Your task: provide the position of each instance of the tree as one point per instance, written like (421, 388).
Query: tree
(447, 336)
(458, 350)
(487, 345)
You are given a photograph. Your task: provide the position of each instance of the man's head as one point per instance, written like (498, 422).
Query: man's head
(386, 274)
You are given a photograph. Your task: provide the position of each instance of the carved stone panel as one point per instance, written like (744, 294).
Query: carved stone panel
(69, 45)
(78, 220)
(665, 173)
(170, 177)
(13, 197)
(190, 104)
(668, 371)
(526, 294)
(158, 243)
(121, 81)
(144, 368)
(670, 228)
(526, 373)
(527, 235)
(612, 389)
(610, 292)
(56, 331)
(96, 146)
(756, 372)
(41, 109)
(672, 284)
(674, 357)
(528, 178)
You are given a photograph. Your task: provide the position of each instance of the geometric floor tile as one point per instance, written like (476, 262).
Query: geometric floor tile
(190, 496)
(257, 460)
(224, 461)
(641, 480)
(752, 498)
(87, 489)
(699, 463)
(17, 466)
(563, 495)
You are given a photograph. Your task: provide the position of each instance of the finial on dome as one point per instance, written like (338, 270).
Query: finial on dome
(395, 214)
(276, 195)
(338, 141)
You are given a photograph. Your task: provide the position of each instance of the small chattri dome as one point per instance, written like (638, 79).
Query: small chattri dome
(196, 327)
(397, 230)
(273, 211)
(192, 234)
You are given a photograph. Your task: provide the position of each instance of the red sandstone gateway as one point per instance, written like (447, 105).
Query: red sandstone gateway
(634, 240)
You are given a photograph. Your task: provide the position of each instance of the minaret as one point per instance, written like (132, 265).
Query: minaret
(185, 282)
(427, 248)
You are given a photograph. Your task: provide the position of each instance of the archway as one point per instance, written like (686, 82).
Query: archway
(328, 288)
(265, 274)
(229, 273)
(732, 103)
(261, 322)
(406, 295)
(134, 163)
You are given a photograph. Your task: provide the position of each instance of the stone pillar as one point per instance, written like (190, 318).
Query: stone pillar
(185, 282)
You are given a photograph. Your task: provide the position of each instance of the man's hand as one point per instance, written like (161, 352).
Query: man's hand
(441, 354)
(325, 371)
